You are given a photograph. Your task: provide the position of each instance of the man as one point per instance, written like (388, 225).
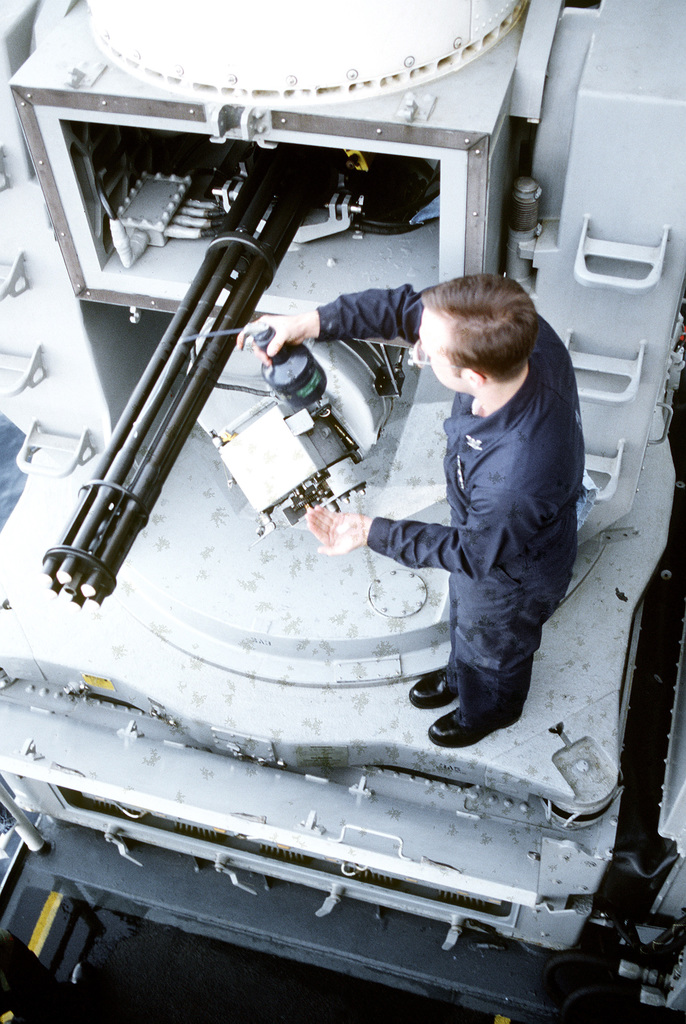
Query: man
(513, 466)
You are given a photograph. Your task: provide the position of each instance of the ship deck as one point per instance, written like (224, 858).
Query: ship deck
(266, 649)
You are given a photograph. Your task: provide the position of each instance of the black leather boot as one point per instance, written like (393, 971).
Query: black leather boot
(432, 691)
(447, 731)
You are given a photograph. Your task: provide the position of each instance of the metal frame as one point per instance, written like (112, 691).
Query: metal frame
(475, 144)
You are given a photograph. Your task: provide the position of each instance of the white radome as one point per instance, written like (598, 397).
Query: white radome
(304, 51)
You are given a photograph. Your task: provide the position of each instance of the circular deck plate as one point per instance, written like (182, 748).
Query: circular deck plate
(397, 593)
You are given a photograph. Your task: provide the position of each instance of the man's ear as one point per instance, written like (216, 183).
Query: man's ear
(473, 377)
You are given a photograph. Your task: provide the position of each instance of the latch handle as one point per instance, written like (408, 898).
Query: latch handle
(331, 901)
(112, 836)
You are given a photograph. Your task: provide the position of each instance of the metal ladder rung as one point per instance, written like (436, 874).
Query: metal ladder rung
(608, 366)
(20, 372)
(606, 466)
(632, 256)
(4, 176)
(63, 453)
(13, 279)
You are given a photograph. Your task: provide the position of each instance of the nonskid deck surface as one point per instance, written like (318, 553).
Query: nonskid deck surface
(272, 649)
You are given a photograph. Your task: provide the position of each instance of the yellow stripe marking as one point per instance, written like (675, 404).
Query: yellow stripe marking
(501, 1020)
(6, 1017)
(45, 922)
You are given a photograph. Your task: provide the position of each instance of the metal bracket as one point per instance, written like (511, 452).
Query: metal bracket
(526, 247)
(76, 690)
(360, 789)
(337, 220)
(222, 120)
(415, 108)
(130, 732)
(15, 280)
(159, 711)
(255, 123)
(29, 750)
(249, 123)
(248, 748)
(6, 680)
(586, 769)
(85, 74)
(112, 836)
(311, 824)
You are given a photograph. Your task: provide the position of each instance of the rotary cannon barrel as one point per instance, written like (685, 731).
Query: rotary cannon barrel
(115, 506)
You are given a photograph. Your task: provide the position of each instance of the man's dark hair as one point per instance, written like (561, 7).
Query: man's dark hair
(494, 322)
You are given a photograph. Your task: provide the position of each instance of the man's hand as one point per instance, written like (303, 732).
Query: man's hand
(339, 532)
(290, 330)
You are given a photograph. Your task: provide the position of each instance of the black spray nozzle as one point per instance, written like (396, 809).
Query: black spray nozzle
(261, 336)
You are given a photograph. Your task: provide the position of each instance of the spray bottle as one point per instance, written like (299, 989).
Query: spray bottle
(294, 374)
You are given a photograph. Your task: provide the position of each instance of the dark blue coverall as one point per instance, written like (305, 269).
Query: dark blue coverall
(513, 479)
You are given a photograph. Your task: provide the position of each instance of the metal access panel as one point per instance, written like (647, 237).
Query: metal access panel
(80, 118)
(93, 884)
